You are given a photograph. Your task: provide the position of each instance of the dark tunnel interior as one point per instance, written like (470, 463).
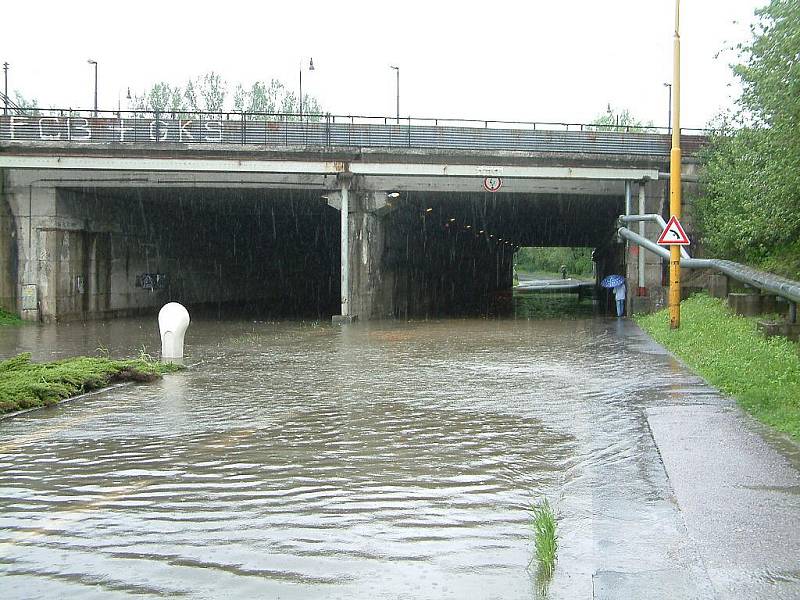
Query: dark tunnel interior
(275, 253)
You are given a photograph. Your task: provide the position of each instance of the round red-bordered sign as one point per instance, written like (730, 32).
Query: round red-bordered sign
(492, 184)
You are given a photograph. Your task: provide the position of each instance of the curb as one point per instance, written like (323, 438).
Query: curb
(17, 413)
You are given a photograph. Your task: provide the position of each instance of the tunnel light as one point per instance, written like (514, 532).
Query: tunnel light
(452, 219)
(324, 197)
(469, 227)
(491, 235)
(481, 231)
(393, 195)
(429, 209)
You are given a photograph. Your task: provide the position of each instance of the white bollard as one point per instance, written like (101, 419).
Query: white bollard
(173, 320)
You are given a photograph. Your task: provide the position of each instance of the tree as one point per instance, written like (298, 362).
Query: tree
(750, 207)
(161, 97)
(549, 260)
(619, 120)
(30, 106)
(209, 93)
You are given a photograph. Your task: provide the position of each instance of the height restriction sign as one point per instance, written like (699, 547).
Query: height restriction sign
(673, 234)
(492, 184)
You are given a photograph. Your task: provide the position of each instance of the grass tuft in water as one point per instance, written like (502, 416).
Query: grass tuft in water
(25, 384)
(545, 537)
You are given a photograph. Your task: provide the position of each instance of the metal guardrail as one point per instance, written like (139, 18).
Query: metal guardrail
(286, 129)
(780, 286)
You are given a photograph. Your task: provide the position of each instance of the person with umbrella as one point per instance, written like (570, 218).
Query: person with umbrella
(616, 283)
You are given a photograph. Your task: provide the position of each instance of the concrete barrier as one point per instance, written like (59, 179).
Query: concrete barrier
(747, 305)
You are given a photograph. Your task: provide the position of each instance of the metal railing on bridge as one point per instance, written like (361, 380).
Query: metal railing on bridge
(328, 130)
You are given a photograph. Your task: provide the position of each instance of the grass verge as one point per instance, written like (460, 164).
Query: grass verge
(24, 384)
(545, 537)
(763, 374)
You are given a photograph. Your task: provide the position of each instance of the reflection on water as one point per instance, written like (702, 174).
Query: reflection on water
(379, 460)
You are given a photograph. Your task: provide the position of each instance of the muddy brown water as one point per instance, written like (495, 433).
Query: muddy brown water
(378, 460)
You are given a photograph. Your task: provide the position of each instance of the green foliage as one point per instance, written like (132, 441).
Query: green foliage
(620, 120)
(30, 105)
(161, 97)
(545, 536)
(763, 374)
(549, 260)
(24, 384)
(271, 98)
(209, 93)
(750, 207)
(7, 318)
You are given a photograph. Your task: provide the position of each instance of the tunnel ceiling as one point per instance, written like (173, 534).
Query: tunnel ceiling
(523, 219)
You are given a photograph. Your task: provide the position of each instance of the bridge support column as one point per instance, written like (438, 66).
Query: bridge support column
(34, 211)
(366, 284)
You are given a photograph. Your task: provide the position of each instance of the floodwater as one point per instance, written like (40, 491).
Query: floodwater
(377, 460)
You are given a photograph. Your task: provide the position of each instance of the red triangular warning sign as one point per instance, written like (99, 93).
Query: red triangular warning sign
(673, 234)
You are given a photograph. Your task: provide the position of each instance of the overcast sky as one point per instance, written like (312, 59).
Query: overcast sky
(539, 60)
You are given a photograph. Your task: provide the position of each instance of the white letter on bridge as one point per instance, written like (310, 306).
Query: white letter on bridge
(80, 124)
(163, 130)
(183, 131)
(214, 127)
(15, 120)
(45, 136)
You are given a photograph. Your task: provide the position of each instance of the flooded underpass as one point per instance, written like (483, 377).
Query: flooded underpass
(375, 460)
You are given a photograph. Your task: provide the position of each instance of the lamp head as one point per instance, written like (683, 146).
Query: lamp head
(311, 64)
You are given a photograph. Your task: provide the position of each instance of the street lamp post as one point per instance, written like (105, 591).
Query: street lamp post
(669, 118)
(397, 72)
(5, 88)
(94, 62)
(310, 68)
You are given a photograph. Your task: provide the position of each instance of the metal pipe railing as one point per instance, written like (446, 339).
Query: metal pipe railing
(780, 286)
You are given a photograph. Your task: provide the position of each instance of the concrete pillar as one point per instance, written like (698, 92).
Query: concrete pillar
(344, 196)
(34, 210)
(370, 282)
(366, 285)
(8, 252)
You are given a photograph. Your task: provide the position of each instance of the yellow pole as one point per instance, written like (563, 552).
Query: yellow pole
(675, 177)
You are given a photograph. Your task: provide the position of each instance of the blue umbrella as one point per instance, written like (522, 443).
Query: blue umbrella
(612, 281)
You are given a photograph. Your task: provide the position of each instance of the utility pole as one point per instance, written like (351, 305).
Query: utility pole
(5, 89)
(397, 71)
(675, 177)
